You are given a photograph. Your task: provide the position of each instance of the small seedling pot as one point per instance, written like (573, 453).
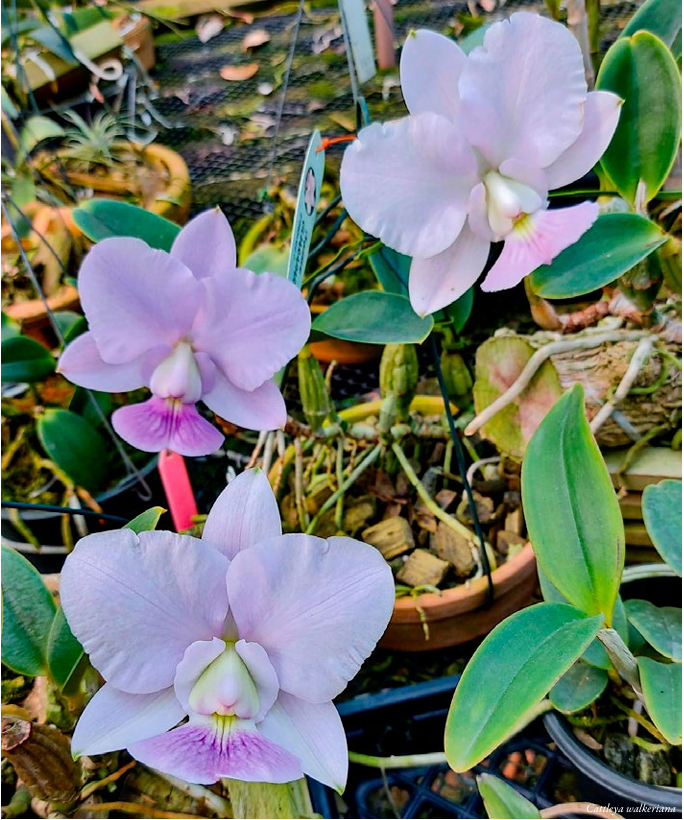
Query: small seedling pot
(602, 783)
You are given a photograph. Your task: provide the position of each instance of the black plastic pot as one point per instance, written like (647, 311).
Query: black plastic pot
(410, 720)
(659, 584)
(122, 500)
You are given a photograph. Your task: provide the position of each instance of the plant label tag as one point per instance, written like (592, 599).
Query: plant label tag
(305, 212)
(357, 36)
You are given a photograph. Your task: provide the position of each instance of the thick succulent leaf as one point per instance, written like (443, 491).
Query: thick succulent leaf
(642, 70)
(102, 218)
(661, 17)
(374, 317)
(661, 626)
(25, 360)
(662, 509)
(27, 612)
(64, 651)
(662, 687)
(509, 674)
(75, 446)
(503, 801)
(573, 516)
(578, 687)
(391, 269)
(613, 245)
(147, 520)
(10, 328)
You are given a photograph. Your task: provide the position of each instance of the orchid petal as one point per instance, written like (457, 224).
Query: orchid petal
(522, 91)
(206, 749)
(259, 409)
(263, 674)
(601, 115)
(407, 182)
(527, 174)
(429, 70)
(251, 325)
(317, 607)
(136, 602)
(541, 238)
(244, 514)
(314, 733)
(82, 364)
(135, 298)
(438, 281)
(166, 424)
(206, 245)
(113, 719)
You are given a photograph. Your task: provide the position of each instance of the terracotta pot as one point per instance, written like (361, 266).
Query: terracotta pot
(341, 351)
(458, 615)
(137, 35)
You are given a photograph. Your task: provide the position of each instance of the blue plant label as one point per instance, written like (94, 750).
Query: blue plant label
(357, 34)
(305, 211)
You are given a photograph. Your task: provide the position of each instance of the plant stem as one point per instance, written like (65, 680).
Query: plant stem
(360, 469)
(640, 719)
(398, 761)
(621, 658)
(272, 800)
(98, 784)
(339, 465)
(425, 497)
(143, 811)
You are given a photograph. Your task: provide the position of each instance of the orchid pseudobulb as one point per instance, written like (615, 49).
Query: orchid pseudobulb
(487, 137)
(191, 326)
(247, 633)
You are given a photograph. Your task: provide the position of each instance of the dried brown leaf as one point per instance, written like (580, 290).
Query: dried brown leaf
(235, 73)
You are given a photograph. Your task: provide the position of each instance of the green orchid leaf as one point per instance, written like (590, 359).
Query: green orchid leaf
(268, 259)
(661, 626)
(147, 520)
(10, 328)
(509, 674)
(661, 17)
(64, 652)
(662, 509)
(27, 612)
(25, 360)
(572, 513)
(391, 269)
(103, 218)
(662, 687)
(374, 317)
(76, 447)
(36, 130)
(642, 70)
(81, 403)
(503, 801)
(578, 687)
(613, 245)
(458, 312)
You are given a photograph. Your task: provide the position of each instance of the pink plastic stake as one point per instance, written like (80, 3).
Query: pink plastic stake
(176, 483)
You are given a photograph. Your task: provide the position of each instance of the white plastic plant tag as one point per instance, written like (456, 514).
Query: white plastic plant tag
(305, 212)
(357, 36)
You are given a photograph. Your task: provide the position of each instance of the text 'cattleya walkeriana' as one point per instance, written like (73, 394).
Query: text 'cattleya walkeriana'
(222, 655)
(487, 137)
(191, 326)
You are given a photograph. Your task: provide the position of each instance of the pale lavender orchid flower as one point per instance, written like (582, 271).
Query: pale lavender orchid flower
(191, 326)
(248, 633)
(487, 137)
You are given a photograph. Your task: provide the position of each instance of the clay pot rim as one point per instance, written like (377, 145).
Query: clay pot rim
(435, 606)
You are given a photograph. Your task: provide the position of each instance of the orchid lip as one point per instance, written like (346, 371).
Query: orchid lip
(508, 201)
(225, 688)
(178, 376)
